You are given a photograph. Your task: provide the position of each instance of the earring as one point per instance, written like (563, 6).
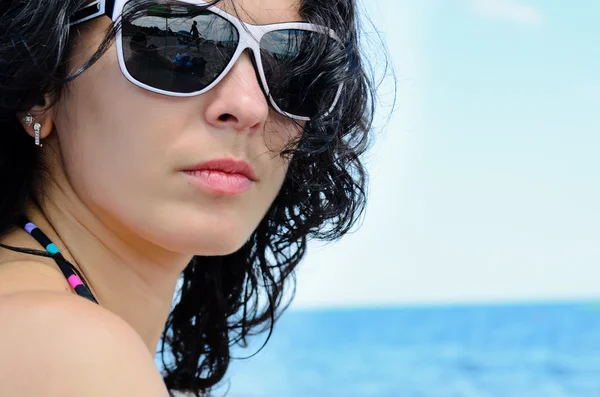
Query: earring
(37, 128)
(28, 119)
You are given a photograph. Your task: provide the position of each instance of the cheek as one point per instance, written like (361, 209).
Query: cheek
(106, 137)
(280, 132)
(116, 131)
(113, 139)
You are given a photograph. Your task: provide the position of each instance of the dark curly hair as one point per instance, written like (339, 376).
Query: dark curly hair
(224, 299)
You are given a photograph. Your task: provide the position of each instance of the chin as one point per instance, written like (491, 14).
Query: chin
(206, 241)
(189, 232)
(219, 246)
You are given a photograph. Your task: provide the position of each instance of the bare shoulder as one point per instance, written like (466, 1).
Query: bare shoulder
(27, 275)
(23, 272)
(57, 344)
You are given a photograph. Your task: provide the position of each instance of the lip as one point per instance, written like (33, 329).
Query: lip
(226, 165)
(225, 176)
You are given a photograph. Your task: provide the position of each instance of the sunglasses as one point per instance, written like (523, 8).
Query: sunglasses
(186, 48)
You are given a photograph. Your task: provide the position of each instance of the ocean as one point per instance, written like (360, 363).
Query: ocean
(526, 350)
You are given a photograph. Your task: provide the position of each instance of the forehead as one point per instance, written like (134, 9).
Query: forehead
(263, 11)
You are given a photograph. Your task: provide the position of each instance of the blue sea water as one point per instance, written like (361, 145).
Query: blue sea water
(541, 350)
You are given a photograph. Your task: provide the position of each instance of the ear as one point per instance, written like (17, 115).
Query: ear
(40, 114)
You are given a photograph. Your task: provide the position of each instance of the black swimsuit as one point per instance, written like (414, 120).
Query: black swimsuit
(73, 276)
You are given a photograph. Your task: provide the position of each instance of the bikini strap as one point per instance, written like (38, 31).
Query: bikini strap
(75, 279)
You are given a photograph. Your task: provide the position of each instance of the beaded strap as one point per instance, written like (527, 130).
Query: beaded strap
(73, 276)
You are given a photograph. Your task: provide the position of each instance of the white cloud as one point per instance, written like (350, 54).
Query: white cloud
(509, 10)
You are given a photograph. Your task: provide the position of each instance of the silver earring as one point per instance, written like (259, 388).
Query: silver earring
(28, 119)
(37, 128)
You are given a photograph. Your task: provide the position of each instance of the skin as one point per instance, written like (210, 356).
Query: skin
(120, 209)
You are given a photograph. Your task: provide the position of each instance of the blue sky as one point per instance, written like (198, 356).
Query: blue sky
(485, 183)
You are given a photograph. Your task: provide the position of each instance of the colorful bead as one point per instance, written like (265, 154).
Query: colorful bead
(29, 227)
(51, 248)
(74, 281)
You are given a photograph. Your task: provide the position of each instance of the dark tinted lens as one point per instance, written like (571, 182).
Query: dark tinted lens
(180, 50)
(301, 68)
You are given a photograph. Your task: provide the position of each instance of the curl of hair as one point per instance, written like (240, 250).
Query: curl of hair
(222, 300)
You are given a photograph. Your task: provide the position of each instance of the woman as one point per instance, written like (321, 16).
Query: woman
(195, 35)
(122, 186)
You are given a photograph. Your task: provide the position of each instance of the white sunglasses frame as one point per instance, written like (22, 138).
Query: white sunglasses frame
(249, 38)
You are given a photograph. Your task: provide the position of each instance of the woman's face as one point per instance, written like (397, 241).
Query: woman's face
(125, 149)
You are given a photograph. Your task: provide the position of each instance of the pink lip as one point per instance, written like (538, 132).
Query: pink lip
(226, 176)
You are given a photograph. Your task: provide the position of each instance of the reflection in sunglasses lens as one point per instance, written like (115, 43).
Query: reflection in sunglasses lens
(180, 54)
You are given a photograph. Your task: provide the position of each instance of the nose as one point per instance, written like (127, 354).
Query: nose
(237, 102)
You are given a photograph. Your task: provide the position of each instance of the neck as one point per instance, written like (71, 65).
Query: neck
(130, 277)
